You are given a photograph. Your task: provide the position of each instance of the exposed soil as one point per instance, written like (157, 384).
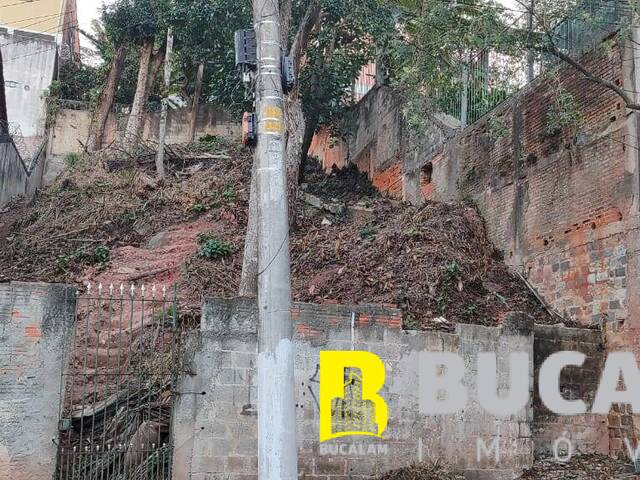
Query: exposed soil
(122, 226)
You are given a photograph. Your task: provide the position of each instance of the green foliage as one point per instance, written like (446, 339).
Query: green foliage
(64, 261)
(229, 193)
(213, 143)
(350, 37)
(565, 115)
(213, 249)
(368, 232)
(443, 302)
(101, 254)
(77, 81)
(453, 271)
(497, 129)
(133, 21)
(204, 32)
(471, 309)
(71, 160)
(199, 207)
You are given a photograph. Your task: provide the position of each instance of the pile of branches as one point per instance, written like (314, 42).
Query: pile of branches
(434, 261)
(422, 472)
(581, 467)
(89, 210)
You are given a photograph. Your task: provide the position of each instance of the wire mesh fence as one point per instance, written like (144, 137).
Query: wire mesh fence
(486, 78)
(117, 392)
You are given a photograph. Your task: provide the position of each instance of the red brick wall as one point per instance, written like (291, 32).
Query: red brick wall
(557, 205)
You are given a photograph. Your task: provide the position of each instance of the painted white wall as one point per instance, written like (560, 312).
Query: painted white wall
(29, 67)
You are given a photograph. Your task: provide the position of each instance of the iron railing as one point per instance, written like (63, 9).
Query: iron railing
(117, 393)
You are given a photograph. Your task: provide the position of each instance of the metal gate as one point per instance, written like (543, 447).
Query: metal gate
(117, 392)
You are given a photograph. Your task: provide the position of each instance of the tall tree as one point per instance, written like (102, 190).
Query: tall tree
(105, 101)
(146, 23)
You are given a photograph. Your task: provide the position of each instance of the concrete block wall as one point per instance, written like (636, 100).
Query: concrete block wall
(215, 421)
(35, 329)
(588, 433)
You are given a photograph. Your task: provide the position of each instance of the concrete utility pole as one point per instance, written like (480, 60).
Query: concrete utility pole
(277, 448)
(162, 135)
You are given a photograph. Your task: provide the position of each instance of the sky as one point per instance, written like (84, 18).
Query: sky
(87, 11)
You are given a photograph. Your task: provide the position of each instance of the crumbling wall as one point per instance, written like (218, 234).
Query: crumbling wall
(215, 422)
(35, 328)
(556, 203)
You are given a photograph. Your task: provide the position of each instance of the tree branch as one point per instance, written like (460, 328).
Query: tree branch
(553, 49)
(310, 20)
(594, 78)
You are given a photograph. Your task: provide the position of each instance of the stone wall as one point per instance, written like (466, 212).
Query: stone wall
(35, 328)
(215, 419)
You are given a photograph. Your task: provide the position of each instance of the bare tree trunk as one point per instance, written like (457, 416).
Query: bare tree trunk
(137, 108)
(249, 277)
(100, 116)
(195, 106)
(4, 121)
(156, 62)
(162, 134)
(309, 132)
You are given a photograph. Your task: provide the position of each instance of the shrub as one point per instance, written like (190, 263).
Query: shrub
(214, 249)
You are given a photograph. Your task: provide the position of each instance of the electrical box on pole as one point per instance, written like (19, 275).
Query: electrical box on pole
(246, 53)
(288, 74)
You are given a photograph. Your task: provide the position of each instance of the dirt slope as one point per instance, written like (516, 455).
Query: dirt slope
(117, 226)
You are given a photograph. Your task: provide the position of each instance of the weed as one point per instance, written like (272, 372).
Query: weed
(198, 207)
(210, 143)
(410, 322)
(453, 270)
(64, 261)
(368, 231)
(340, 216)
(71, 160)
(443, 302)
(471, 309)
(229, 193)
(214, 249)
(101, 254)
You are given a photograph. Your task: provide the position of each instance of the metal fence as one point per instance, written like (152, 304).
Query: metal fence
(117, 393)
(487, 78)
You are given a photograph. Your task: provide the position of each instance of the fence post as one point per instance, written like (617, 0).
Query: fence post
(464, 100)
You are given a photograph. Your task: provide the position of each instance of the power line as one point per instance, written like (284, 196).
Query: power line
(19, 3)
